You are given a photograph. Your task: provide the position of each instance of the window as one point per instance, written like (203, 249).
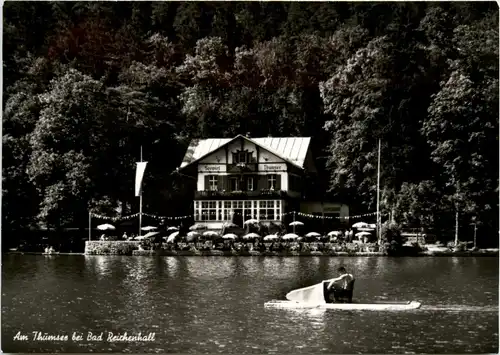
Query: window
(227, 211)
(250, 183)
(242, 157)
(271, 181)
(208, 211)
(266, 210)
(247, 205)
(212, 182)
(235, 184)
(270, 214)
(212, 211)
(196, 211)
(204, 207)
(219, 210)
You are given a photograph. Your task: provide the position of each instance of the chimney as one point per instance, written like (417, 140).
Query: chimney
(248, 135)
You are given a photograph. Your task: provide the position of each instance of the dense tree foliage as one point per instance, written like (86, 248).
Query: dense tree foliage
(86, 84)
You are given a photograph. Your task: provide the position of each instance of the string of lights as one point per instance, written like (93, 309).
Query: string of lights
(300, 214)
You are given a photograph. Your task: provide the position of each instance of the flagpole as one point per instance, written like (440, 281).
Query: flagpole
(90, 224)
(378, 194)
(140, 203)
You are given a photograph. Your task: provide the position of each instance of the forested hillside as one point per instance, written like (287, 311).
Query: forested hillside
(87, 83)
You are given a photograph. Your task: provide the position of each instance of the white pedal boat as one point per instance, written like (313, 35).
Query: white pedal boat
(378, 306)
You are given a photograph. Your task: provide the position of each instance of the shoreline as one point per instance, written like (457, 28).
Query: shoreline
(479, 253)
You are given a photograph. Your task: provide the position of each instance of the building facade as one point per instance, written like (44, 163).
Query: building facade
(251, 178)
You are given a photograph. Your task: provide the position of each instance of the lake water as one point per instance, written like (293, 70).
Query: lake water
(216, 304)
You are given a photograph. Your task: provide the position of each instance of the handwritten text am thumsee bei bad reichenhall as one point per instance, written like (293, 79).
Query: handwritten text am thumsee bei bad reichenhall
(89, 336)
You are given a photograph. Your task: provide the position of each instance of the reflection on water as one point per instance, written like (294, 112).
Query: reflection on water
(216, 304)
(459, 308)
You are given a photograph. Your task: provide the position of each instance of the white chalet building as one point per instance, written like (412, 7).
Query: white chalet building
(245, 178)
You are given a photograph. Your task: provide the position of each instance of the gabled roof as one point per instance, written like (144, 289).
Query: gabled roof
(290, 149)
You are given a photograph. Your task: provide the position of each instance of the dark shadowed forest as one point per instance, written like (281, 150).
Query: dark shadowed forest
(86, 84)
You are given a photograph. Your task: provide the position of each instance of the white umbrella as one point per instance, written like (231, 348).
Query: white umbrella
(140, 238)
(251, 236)
(271, 237)
(296, 223)
(106, 226)
(172, 236)
(148, 228)
(361, 234)
(251, 221)
(313, 234)
(372, 226)
(169, 229)
(229, 236)
(193, 234)
(334, 233)
(290, 236)
(230, 225)
(365, 229)
(210, 234)
(197, 227)
(151, 234)
(360, 225)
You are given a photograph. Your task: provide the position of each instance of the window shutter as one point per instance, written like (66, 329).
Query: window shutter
(220, 183)
(278, 182)
(262, 182)
(207, 187)
(252, 186)
(225, 184)
(232, 184)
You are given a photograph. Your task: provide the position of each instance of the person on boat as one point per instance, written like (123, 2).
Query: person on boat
(340, 288)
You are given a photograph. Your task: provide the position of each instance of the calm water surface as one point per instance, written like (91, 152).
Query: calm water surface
(216, 304)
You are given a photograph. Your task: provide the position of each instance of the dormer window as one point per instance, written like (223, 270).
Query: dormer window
(242, 157)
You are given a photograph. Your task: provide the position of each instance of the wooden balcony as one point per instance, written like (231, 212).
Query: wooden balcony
(241, 168)
(239, 195)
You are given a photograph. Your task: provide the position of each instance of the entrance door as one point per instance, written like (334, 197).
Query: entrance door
(238, 217)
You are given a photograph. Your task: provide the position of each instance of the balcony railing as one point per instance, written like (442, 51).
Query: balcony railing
(221, 194)
(241, 167)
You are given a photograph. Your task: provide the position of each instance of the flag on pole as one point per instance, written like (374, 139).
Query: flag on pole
(139, 174)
